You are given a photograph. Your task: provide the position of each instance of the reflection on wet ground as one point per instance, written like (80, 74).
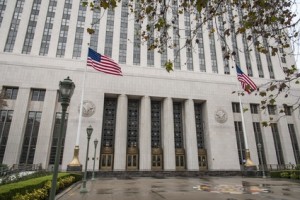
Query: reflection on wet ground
(210, 188)
(233, 189)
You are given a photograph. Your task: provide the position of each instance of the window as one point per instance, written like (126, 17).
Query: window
(133, 123)
(283, 60)
(38, 95)
(56, 133)
(30, 137)
(14, 26)
(277, 144)
(240, 141)
(254, 108)
(295, 144)
(155, 124)
(272, 109)
(288, 110)
(236, 107)
(199, 126)
(259, 140)
(5, 122)
(11, 92)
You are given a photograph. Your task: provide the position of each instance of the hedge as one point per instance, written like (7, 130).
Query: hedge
(8, 191)
(293, 174)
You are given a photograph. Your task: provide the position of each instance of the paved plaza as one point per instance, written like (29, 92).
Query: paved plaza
(177, 188)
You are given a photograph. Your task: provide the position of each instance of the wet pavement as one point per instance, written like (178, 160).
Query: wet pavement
(177, 188)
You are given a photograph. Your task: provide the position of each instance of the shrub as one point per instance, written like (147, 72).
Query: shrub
(8, 191)
(43, 193)
(297, 167)
(275, 174)
(294, 175)
(285, 174)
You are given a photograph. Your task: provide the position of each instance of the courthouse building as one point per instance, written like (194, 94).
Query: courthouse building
(147, 119)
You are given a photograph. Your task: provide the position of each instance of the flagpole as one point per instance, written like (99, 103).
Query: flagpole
(75, 164)
(249, 163)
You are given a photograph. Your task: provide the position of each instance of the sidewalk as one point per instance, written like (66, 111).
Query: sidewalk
(214, 188)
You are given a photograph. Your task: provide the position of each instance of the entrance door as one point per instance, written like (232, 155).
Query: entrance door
(157, 162)
(132, 161)
(180, 162)
(106, 161)
(202, 159)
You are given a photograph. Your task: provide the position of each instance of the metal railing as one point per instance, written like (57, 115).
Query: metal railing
(17, 168)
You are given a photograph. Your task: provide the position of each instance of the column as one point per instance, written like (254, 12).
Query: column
(190, 136)
(44, 140)
(17, 128)
(121, 134)
(145, 134)
(168, 135)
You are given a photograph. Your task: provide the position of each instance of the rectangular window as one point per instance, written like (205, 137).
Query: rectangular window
(133, 123)
(5, 122)
(2, 9)
(272, 109)
(155, 124)
(178, 129)
(277, 144)
(259, 140)
(48, 28)
(14, 26)
(236, 107)
(10, 92)
(31, 27)
(109, 122)
(288, 110)
(199, 126)
(283, 60)
(30, 137)
(254, 108)
(295, 144)
(38, 95)
(56, 133)
(240, 141)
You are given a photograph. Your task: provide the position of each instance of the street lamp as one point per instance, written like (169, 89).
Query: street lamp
(66, 89)
(89, 131)
(95, 143)
(262, 164)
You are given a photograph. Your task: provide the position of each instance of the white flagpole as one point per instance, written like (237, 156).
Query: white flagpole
(249, 163)
(81, 108)
(75, 165)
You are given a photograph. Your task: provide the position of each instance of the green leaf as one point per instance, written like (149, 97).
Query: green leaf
(264, 123)
(169, 66)
(84, 3)
(90, 31)
(262, 93)
(272, 101)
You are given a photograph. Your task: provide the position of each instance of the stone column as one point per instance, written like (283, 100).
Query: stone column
(145, 134)
(121, 134)
(44, 140)
(17, 128)
(190, 136)
(168, 135)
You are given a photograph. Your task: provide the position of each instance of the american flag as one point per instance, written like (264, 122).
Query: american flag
(247, 84)
(103, 63)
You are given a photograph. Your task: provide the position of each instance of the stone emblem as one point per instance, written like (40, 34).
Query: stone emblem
(88, 108)
(221, 116)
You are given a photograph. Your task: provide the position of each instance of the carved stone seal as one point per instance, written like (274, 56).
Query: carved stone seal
(88, 108)
(221, 116)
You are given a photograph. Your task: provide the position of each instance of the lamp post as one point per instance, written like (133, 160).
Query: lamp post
(95, 143)
(262, 164)
(89, 132)
(66, 89)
